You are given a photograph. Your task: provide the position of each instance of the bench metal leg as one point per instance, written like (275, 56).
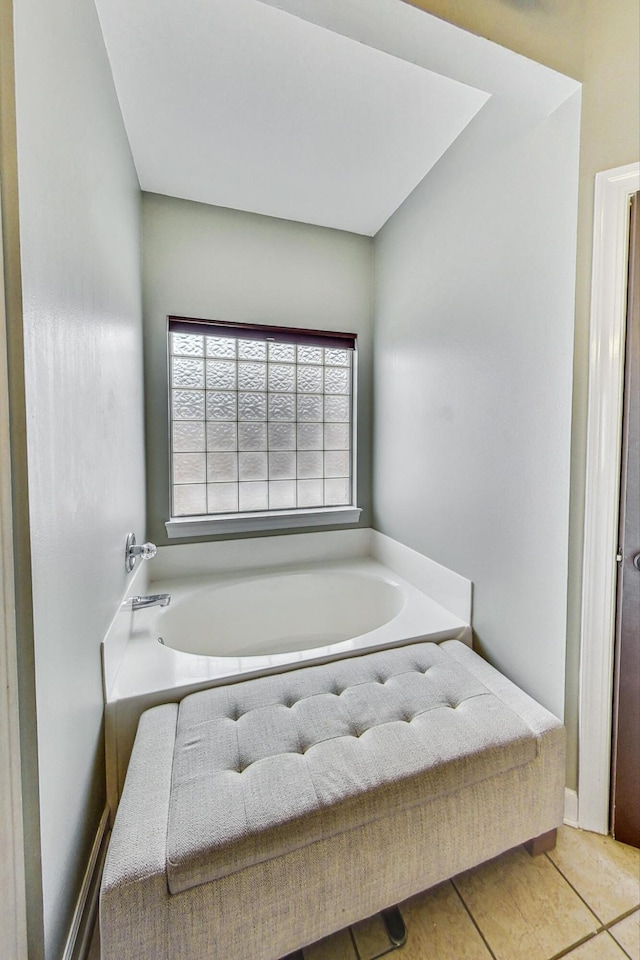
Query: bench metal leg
(546, 841)
(394, 925)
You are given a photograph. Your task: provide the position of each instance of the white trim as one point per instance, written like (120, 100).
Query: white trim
(255, 522)
(570, 807)
(13, 911)
(606, 378)
(79, 935)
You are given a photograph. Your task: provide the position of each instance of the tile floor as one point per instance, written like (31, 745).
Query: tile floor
(580, 901)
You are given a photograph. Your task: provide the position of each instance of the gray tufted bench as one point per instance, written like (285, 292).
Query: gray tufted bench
(261, 816)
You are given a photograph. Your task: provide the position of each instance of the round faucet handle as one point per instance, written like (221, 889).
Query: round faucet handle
(133, 550)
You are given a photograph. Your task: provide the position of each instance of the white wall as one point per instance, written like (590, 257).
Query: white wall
(473, 334)
(79, 223)
(215, 263)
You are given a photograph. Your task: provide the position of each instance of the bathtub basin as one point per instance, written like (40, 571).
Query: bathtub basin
(280, 614)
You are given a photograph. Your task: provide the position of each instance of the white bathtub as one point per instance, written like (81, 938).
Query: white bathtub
(223, 627)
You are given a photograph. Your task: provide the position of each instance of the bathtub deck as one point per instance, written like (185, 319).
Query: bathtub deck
(149, 667)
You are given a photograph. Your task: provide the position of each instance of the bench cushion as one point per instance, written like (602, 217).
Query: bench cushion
(273, 764)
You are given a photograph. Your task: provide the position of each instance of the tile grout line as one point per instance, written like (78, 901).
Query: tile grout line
(472, 918)
(605, 927)
(612, 923)
(621, 947)
(574, 946)
(578, 894)
(623, 916)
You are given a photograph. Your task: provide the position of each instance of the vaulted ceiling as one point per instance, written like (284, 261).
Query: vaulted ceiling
(241, 104)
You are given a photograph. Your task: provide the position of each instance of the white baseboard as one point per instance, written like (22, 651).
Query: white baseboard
(79, 937)
(570, 807)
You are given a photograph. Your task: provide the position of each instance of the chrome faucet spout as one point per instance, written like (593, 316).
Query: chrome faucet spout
(155, 600)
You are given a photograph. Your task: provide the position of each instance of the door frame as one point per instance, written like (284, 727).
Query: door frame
(613, 192)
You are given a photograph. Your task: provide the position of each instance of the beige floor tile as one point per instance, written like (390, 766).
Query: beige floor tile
(627, 933)
(339, 946)
(601, 947)
(371, 938)
(439, 928)
(524, 908)
(604, 872)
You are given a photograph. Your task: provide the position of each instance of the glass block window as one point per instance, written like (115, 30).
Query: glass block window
(260, 417)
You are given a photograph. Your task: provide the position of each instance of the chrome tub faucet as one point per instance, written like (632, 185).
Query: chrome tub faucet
(155, 600)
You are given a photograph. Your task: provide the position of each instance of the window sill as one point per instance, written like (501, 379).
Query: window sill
(182, 527)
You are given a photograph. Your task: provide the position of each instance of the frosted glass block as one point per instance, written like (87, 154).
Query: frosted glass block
(337, 492)
(336, 380)
(187, 344)
(221, 374)
(282, 494)
(309, 436)
(282, 377)
(188, 436)
(336, 357)
(222, 436)
(310, 493)
(189, 500)
(186, 372)
(221, 406)
(282, 465)
(336, 409)
(254, 496)
(309, 464)
(252, 350)
(310, 354)
(224, 348)
(252, 436)
(309, 408)
(222, 497)
(188, 467)
(282, 406)
(252, 406)
(336, 463)
(310, 379)
(187, 404)
(336, 436)
(222, 467)
(282, 436)
(252, 376)
(282, 352)
(252, 466)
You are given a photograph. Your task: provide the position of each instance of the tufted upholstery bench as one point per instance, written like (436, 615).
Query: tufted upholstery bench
(261, 816)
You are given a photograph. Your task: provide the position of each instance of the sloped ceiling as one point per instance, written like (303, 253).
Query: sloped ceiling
(240, 104)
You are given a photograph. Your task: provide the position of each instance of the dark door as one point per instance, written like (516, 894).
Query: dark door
(625, 774)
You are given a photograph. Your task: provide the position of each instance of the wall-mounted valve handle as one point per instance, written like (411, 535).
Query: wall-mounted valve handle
(134, 550)
(145, 551)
